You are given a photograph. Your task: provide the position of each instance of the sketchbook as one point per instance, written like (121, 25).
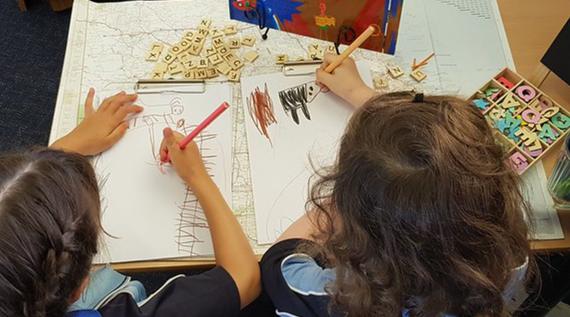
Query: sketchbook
(147, 211)
(291, 124)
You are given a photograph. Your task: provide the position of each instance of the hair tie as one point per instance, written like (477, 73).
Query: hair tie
(418, 97)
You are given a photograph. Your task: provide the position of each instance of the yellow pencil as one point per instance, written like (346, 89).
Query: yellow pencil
(356, 44)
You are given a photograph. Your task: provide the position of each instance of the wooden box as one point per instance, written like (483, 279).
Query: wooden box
(527, 122)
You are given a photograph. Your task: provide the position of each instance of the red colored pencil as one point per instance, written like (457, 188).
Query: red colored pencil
(213, 116)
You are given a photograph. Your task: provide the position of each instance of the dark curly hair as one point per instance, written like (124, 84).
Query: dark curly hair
(420, 212)
(49, 226)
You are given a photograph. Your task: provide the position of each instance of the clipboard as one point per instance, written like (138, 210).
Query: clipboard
(151, 86)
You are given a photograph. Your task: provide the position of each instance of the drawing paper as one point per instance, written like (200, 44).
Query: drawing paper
(280, 169)
(147, 210)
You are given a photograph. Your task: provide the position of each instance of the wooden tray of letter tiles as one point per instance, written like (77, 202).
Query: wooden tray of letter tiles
(528, 123)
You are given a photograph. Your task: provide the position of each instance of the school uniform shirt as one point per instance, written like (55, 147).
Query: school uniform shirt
(295, 282)
(212, 293)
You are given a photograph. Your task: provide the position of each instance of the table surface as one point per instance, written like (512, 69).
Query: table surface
(530, 28)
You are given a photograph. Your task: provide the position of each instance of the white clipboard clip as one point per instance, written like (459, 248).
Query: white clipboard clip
(298, 68)
(170, 86)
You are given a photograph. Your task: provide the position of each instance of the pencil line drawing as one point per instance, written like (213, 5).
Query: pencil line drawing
(283, 221)
(161, 113)
(190, 218)
(260, 107)
(298, 97)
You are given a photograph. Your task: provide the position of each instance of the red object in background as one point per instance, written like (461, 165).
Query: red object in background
(329, 20)
(244, 5)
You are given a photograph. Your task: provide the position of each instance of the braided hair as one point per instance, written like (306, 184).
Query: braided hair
(49, 227)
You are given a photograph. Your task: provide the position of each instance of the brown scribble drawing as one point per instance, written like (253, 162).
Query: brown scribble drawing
(298, 97)
(191, 217)
(260, 109)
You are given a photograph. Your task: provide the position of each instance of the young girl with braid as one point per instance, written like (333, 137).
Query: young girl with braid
(419, 216)
(50, 226)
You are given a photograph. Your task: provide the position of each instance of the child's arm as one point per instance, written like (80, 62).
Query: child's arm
(100, 129)
(345, 81)
(231, 247)
(302, 228)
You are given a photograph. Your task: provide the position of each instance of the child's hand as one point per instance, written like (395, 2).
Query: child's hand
(100, 129)
(345, 81)
(188, 162)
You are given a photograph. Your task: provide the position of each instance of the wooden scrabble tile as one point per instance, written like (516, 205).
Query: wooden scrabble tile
(230, 29)
(175, 68)
(206, 23)
(215, 59)
(216, 33)
(189, 35)
(175, 50)
(229, 57)
(190, 74)
(248, 40)
(234, 43)
(159, 71)
(234, 75)
(321, 54)
(222, 50)
(202, 31)
(157, 75)
(211, 51)
(316, 55)
(380, 82)
(314, 47)
(154, 52)
(395, 71)
(160, 67)
(168, 58)
(184, 44)
(212, 73)
(199, 39)
(418, 75)
(330, 49)
(195, 49)
(224, 68)
(251, 56)
(190, 64)
(203, 63)
(184, 57)
(201, 73)
(236, 64)
(281, 59)
(217, 42)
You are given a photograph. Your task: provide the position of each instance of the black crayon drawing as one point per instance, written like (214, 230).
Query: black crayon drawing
(297, 98)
